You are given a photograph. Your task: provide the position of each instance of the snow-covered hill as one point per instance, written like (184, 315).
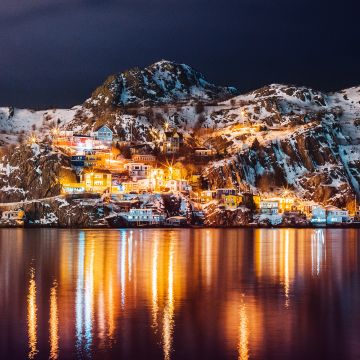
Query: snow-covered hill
(274, 137)
(160, 83)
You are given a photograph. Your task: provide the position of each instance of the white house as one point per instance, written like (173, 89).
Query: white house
(270, 207)
(318, 215)
(335, 215)
(138, 170)
(144, 216)
(178, 185)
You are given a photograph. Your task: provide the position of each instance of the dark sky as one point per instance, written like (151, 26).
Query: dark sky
(55, 52)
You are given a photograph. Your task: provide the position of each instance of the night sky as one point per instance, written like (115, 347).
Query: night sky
(55, 52)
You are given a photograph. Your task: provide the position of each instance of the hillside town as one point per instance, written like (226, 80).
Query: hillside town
(133, 178)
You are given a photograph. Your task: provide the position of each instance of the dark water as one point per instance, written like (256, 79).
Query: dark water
(180, 294)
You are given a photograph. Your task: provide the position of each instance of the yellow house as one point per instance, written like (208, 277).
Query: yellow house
(97, 181)
(232, 201)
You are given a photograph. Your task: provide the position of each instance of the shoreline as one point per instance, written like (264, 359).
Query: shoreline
(35, 226)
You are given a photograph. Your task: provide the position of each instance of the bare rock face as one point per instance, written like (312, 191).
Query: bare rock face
(66, 212)
(215, 216)
(32, 172)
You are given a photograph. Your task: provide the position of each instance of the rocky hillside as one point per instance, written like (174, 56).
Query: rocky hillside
(160, 83)
(272, 138)
(32, 172)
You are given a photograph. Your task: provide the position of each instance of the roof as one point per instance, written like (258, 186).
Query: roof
(173, 133)
(332, 207)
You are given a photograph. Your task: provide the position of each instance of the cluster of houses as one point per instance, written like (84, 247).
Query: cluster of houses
(101, 170)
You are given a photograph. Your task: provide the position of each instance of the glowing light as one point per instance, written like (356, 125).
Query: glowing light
(54, 323)
(168, 326)
(32, 316)
(154, 288)
(243, 346)
(79, 291)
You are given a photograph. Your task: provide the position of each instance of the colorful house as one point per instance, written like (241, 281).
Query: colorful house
(232, 201)
(221, 192)
(103, 133)
(97, 181)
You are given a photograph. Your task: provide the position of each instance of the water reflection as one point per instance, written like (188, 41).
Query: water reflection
(246, 294)
(32, 315)
(54, 323)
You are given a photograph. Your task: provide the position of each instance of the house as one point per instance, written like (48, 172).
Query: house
(144, 216)
(176, 221)
(207, 196)
(138, 170)
(269, 207)
(97, 181)
(178, 185)
(318, 215)
(172, 142)
(103, 133)
(204, 152)
(73, 188)
(232, 201)
(145, 158)
(13, 215)
(78, 161)
(221, 192)
(335, 215)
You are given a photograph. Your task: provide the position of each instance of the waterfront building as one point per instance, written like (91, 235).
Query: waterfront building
(269, 207)
(335, 215)
(318, 215)
(176, 220)
(144, 216)
(13, 215)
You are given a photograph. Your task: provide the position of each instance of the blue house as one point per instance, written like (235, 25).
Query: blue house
(103, 133)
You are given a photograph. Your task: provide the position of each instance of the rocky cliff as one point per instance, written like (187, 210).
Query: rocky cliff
(32, 172)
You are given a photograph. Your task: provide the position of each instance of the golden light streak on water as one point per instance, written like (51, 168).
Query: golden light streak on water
(286, 275)
(111, 312)
(154, 285)
(54, 323)
(32, 316)
(243, 346)
(168, 325)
